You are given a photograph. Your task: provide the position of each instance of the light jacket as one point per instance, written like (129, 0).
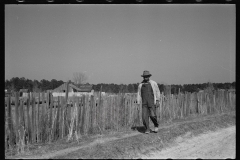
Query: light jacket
(155, 88)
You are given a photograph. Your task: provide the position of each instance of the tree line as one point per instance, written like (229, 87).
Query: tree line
(15, 84)
(175, 89)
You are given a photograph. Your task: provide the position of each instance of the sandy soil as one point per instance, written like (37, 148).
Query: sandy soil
(213, 145)
(220, 143)
(73, 149)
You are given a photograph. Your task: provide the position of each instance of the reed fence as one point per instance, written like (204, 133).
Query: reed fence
(39, 117)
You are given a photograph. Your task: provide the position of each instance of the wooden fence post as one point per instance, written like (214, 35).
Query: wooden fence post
(214, 104)
(182, 105)
(10, 121)
(60, 105)
(77, 116)
(64, 117)
(16, 116)
(50, 115)
(21, 115)
(83, 115)
(103, 109)
(57, 107)
(42, 117)
(38, 119)
(33, 119)
(125, 111)
(117, 111)
(95, 112)
(130, 110)
(91, 114)
(110, 112)
(86, 115)
(97, 109)
(6, 123)
(28, 119)
(80, 115)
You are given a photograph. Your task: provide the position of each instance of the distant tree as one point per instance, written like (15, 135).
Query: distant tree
(173, 89)
(16, 84)
(54, 83)
(135, 87)
(45, 85)
(36, 86)
(97, 87)
(161, 87)
(227, 85)
(125, 89)
(130, 88)
(116, 88)
(7, 84)
(167, 89)
(108, 88)
(121, 88)
(112, 87)
(28, 85)
(20, 83)
(59, 83)
(79, 78)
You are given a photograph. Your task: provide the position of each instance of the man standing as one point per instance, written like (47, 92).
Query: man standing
(149, 94)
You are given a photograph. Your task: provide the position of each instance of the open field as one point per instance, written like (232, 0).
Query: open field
(135, 144)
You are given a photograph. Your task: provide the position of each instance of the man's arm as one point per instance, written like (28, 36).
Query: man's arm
(138, 94)
(157, 92)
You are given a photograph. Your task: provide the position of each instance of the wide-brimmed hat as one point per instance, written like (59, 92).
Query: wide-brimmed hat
(146, 74)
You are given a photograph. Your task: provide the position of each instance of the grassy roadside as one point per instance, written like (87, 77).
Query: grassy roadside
(128, 144)
(135, 146)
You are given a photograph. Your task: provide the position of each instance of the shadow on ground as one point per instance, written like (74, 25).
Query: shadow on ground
(140, 129)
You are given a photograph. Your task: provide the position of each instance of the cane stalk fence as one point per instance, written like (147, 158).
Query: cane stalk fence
(40, 118)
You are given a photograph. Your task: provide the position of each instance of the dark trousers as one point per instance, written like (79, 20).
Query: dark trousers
(149, 111)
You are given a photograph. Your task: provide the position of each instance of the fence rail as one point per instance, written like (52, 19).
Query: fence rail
(41, 118)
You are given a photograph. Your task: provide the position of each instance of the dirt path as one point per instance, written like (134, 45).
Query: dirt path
(220, 145)
(72, 149)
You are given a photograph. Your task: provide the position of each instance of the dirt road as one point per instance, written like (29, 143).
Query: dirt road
(204, 137)
(220, 145)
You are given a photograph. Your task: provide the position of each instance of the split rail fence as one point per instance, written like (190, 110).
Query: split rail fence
(40, 118)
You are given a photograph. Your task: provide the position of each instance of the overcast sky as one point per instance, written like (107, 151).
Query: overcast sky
(178, 44)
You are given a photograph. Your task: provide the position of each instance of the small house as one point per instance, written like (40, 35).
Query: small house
(7, 92)
(23, 92)
(72, 90)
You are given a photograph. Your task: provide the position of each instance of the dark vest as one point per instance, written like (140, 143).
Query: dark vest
(147, 93)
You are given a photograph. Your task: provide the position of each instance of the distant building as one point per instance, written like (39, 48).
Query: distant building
(72, 90)
(7, 92)
(23, 90)
(49, 90)
(85, 88)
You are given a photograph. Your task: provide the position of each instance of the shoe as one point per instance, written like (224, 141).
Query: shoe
(147, 132)
(156, 129)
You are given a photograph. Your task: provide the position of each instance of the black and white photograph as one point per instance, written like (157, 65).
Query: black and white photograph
(120, 81)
